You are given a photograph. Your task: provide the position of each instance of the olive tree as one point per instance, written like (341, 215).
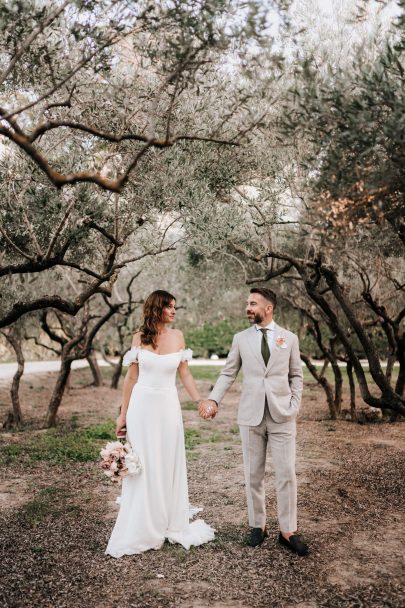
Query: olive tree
(109, 77)
(344, 131)
(98, 94)
(322, 201)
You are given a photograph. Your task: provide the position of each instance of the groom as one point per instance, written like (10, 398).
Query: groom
(271, 396)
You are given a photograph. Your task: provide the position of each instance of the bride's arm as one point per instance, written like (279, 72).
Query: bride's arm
(188, 381)
(186, 376)
(130, 380)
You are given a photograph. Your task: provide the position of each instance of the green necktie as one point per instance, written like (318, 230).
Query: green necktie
(265, 346)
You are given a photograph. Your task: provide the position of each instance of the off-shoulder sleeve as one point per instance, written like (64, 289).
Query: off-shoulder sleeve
(131, 356)
(187, 354)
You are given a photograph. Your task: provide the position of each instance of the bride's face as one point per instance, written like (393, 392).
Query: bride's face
(169, 312)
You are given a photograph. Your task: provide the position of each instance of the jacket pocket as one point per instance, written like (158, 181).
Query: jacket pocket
(281, 392)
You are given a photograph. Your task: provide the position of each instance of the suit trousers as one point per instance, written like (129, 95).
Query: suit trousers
(281, 437)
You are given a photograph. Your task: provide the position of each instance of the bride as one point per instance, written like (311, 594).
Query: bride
(154, 505)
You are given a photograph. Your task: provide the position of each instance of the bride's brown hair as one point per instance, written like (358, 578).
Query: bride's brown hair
(153, 315)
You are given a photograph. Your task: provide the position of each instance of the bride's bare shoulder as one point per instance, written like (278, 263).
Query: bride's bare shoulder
(136, 340)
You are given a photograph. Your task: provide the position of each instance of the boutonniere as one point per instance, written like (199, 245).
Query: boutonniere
(280, 341)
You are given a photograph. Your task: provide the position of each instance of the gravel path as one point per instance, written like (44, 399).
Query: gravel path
(55, 522)
(7, 370)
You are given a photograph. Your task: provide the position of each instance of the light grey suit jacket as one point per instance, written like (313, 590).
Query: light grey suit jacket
(280, 381)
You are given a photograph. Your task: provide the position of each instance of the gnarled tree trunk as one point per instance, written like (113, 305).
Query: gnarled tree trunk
(95, 369)
(352, 386)
(78, 347)
(14, 416)
(117, 372)
(400, 383)
(324, 383)
(59, 389)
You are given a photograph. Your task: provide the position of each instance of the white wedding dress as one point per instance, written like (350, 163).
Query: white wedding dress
(154, 505)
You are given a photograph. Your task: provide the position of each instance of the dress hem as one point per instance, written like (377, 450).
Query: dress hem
(198, 534)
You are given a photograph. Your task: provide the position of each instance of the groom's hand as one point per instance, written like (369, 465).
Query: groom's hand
(207, 409)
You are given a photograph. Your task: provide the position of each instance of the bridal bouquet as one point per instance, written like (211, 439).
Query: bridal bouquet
(119, 460)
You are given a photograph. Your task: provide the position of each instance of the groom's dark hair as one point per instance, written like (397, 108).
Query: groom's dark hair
(266, 293)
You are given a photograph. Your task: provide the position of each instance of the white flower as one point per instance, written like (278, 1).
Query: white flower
(133, 464)
(280, 341)
(119, 460)
(113, 445)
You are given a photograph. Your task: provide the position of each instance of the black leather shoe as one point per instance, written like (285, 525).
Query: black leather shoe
(294, 543)
(257, 536)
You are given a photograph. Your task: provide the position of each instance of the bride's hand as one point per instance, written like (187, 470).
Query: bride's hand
(207, 408)
(120, 423)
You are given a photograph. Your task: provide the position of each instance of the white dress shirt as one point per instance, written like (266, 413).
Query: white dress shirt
(270, 334)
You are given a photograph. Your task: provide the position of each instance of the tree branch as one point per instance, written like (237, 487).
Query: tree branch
(24, 142)
(272, 274)
(67, 103)
(71, 307)
(144, 255)
(59, 229)
(92, 224)
(16, 248)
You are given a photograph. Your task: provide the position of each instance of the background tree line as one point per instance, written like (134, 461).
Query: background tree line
(204, 147)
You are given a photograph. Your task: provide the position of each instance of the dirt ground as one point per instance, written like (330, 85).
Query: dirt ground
(351, 512)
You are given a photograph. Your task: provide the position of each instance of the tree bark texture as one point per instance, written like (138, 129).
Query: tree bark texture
(324, 383)
(14, 417)
(352, 386)
(58, 391)
(117, 373)
(95, 369)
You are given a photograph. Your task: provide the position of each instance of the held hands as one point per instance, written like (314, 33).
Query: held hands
(207, 409)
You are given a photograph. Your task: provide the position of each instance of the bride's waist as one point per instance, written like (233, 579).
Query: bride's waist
(155, 387)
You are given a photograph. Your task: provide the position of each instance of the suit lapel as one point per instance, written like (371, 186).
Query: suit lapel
(254, 344)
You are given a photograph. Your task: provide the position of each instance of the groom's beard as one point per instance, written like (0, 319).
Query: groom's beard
(254, 318)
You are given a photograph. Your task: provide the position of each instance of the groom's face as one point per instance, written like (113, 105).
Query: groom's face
(258, 308)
